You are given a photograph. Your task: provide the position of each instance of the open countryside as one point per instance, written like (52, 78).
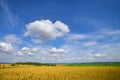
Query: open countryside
(59, 39)
(28, 71)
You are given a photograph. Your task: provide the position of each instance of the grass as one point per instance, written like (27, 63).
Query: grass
(94, 64)
(61, 73)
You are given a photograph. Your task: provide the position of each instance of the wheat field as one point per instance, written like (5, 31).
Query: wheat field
(60, 73)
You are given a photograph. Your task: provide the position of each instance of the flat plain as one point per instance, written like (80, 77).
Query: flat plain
(60, 73)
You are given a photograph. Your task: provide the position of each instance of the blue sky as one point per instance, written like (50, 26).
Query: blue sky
(58, 31)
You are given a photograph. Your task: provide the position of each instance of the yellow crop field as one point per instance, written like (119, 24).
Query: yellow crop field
(60, 73)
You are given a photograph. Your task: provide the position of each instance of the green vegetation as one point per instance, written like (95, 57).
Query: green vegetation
(94, 64)
(69, 64)
(32, 63)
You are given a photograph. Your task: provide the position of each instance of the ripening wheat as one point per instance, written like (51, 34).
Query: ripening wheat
(60, 73)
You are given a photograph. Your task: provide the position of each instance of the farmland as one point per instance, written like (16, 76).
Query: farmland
(60, 73)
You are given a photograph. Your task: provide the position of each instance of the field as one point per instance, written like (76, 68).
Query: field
(60, 73)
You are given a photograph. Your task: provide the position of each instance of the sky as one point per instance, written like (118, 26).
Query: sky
(59, 31)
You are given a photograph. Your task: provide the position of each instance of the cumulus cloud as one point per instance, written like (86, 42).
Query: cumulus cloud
(53, 55)
(41, 51)
(36, 41)
(100, 55)
(25, 51)
(43, 30)
(5, 47)
(57, 51)
(50, 54)
(103, 44)
(89, 48)
(12, 39)
(32, 51)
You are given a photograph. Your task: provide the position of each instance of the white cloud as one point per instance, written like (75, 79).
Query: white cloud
(32, 51)
(43, 30)
(35, 50)
(94, 37)
(25, 51)
(92, 47)
(12, 39)
(40, 51)
(87, 49)
(53, 55)
(110, 32)
(6, 47)
(19, 53)
(36, 41)
(90, 43)
(97, 55)
(57, 51)
(76, 37)
(100, 55)
(49, 53)
(104, 44)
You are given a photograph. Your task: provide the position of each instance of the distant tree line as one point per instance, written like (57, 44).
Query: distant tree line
(33, 63)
